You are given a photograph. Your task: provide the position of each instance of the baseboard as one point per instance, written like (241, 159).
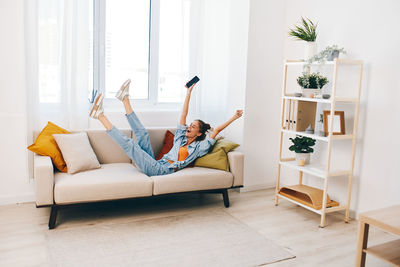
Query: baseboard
(255, 187)
(7, 200)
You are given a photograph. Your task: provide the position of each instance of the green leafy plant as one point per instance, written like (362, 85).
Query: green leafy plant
(302, 144)
(323, 56)
(305, 32)
(313, 80)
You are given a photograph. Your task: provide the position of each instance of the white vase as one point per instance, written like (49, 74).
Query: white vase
(310, 50)
(305, 157)
(310, 92)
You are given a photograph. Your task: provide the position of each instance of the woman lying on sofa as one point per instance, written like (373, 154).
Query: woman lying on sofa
(190, 142)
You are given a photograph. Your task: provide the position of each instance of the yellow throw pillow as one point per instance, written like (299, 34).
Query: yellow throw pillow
(217, 158)
(46, 145)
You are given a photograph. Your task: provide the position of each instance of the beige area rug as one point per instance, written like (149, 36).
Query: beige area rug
(213, 238)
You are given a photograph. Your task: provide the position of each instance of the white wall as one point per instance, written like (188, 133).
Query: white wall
(368, 30)
(263, 91)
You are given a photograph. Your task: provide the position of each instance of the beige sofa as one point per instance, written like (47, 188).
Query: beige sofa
(118, 178)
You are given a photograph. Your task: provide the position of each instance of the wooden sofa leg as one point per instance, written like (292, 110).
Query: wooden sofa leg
(53, 217)
(226, 197)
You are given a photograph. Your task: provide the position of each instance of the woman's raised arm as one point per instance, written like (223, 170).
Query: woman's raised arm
(218, 129)
(186, 105)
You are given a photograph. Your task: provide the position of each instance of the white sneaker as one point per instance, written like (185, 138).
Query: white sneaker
(124, 91)
(97, 107)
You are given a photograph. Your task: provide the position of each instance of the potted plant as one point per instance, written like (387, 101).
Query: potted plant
(311, 83)
(303, 147)
(328, 54)
(306, 32)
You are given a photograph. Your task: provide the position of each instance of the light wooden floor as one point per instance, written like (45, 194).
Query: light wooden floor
(295, 228)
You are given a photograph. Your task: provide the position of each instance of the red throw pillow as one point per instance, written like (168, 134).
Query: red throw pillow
(168, 144)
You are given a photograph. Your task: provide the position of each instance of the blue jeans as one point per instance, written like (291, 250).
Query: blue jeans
(140, 150)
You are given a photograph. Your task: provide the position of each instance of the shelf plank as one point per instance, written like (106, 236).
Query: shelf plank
(341, 61)
(343, 99)
(302, 62)
(342, 136)
(300, 204)
(314, 136)
(313, 169)
(308, 99)
(321, 100)
(333, 209)
(389, 251)
(327, 210)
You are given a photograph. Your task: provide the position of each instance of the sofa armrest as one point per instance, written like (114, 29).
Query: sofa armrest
(43, 174)
(236, 166)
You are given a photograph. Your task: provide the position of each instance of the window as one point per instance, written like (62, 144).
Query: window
(98, 44)
(146, 41)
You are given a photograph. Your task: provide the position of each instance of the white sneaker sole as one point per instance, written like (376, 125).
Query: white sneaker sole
(96, 105)
(121, 93)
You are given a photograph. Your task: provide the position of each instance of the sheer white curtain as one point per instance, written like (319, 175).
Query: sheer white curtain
(59, 62)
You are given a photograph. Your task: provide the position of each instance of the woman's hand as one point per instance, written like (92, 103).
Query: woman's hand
(218, 129)
(189, 90)
(238, 114)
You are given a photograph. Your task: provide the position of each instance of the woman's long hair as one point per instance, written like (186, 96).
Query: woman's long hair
(204, 127)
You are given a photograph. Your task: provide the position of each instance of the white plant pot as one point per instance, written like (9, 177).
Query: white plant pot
(310, 92)
(310, 50)
(303, 157)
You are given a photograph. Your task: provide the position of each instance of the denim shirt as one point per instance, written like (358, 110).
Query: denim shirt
(195, 149)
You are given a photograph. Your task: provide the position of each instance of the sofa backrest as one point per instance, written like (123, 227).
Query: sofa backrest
(108, 151)
(157, 135)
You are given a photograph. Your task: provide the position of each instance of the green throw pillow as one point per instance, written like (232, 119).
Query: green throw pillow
(217, 158)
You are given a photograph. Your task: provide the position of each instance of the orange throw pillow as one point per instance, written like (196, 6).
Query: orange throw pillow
(168, 144)
(46, 145)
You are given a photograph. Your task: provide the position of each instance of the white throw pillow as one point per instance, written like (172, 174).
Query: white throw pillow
(77, 152)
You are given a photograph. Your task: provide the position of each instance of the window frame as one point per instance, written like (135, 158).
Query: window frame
(113, 104)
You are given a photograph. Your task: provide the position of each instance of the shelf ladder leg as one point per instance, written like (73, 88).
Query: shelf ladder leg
(277, 185)
(300, 177)
(354, 141)
(347, 215)
(283, 104)
(324, 199)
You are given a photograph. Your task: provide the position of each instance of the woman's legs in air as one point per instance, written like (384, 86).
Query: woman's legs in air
(142, 136)
(106, 123)
(146, 163)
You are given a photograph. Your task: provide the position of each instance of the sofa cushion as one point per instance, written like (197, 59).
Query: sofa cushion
(168, 144)
(191, 179)
(217, 158)
(111, 181)
(45, 145)
(77, 152)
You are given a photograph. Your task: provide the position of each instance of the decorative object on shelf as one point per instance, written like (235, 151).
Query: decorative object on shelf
(303, 147)
(306, 32)
(334, 51)
(338, 123)
(321, 131)
(309, 130)
(326, 96)
(318, 96)
(298, 94)
(307, 195)
(328, 54)
(311, 83)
